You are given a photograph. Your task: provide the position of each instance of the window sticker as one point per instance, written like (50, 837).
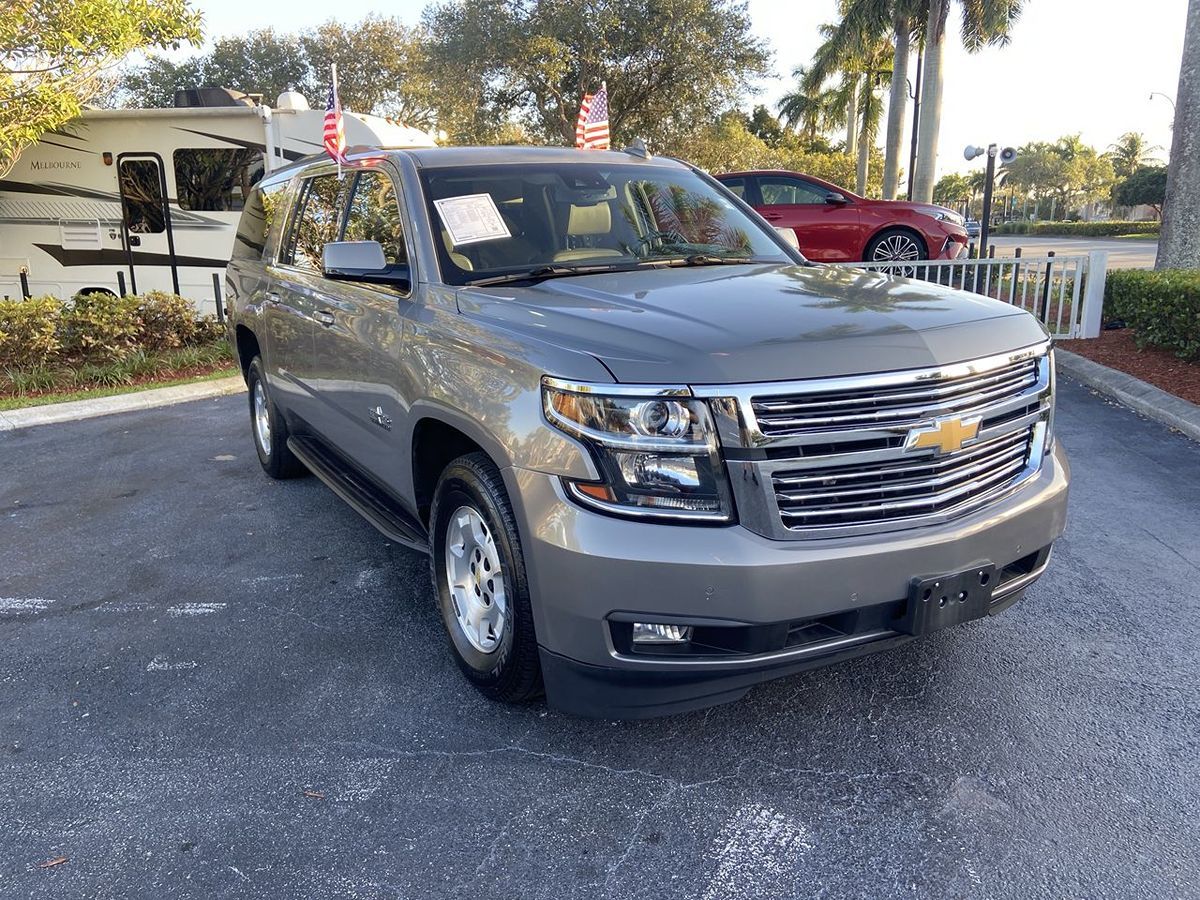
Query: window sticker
(472, 218)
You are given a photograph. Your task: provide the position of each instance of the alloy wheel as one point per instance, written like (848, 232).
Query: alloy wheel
(476, 580)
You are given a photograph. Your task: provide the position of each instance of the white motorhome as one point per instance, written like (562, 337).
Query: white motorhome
(131, 200)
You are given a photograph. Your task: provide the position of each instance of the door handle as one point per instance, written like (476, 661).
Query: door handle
(772, 216)
(272, 299)
(323, 317)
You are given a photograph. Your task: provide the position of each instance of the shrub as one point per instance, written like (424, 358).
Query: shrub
(99, 327)
(165, 321)
(29, 331)
(1078, 229)
(1163, 306)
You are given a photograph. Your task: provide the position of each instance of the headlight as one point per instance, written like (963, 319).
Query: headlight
(656, 451)
(946, 215)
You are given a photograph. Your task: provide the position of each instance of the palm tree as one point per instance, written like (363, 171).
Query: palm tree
(1178, 246)
(1130, 152)
(984, 23)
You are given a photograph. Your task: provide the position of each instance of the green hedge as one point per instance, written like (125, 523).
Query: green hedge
(1163, 306)
(97, 328)
(1078, 229)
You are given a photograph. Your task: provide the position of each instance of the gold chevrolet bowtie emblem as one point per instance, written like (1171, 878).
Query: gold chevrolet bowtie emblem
(944, 435)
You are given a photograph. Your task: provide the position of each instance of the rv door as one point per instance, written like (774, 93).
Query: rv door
(146, 213)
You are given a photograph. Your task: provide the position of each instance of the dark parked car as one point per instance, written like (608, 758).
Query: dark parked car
(655, 455)
(834, 225)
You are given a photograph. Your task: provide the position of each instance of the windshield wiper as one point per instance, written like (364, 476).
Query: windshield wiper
(543, 272)
(706, 259)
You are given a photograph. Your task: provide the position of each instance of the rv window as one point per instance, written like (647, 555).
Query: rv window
(215, 179)
(141, 195)
(315, 223)
(258, 219)
(374, 215)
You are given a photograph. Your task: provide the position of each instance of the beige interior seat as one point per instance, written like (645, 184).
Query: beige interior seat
(588, 221)
(455, 257)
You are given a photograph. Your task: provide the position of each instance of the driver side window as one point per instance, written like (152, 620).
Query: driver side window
(778, 191)
(374, 215)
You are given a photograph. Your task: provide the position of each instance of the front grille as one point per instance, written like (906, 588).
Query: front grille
(834, 457)
(842, 406)
(816, 497)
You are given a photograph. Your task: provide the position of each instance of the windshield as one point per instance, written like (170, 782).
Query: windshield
(516, 218)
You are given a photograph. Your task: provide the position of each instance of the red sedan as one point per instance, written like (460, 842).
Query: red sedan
(834, 225)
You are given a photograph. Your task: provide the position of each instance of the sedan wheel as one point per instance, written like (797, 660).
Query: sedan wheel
(896, 248)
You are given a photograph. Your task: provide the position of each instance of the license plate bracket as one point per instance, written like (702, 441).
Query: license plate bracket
(947, 600)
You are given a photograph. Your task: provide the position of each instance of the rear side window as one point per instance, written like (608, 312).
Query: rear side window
(778, 191)
(315, 221)
(215, 179)
(735, 185)
(374, 215)
(259, 217)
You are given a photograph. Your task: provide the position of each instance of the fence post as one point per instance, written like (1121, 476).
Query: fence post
(217, 297)
(1093, 296)
(1046, 288)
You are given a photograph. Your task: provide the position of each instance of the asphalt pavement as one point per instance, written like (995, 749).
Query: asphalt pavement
(216, 685)
(1130, 253)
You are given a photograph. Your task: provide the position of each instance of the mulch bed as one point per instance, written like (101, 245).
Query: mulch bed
(1161, 368)
(148, 381)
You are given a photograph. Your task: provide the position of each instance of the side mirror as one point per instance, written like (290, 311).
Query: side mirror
(351, 260)
(834, 198)
(362, 261)
(789, 235)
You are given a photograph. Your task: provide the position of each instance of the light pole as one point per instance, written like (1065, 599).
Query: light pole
(1154, 94)
(916, 96)
(1007, 155)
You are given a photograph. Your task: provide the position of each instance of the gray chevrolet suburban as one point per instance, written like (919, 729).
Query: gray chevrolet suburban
(655, 456)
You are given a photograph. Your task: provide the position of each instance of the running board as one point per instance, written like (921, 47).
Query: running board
(370, 502)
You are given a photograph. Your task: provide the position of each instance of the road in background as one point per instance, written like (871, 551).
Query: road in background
(1131, 253)
(217, 685)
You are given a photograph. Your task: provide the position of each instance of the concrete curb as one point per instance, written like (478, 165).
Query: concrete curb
(1133, 392)
(53, 413)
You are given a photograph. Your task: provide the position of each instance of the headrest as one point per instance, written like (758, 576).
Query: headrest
(595, 219)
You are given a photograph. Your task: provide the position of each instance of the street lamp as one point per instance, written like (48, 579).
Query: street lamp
(1154, 94)
(1007, 155)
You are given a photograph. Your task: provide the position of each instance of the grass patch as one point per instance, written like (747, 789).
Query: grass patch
(9, 403)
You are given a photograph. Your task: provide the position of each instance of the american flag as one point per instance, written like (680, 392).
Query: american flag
(334, 134)
(591, 128)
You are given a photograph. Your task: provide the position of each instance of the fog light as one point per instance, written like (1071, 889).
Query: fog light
(654, 633)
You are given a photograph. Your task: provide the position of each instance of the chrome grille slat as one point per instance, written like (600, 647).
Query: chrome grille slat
(1027, 371)
(1013, 454)
(897, 415)
(1006, 440)
(930, 503)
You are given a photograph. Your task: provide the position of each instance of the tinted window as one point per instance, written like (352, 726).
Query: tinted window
(315, 221)
(374, 215)
(777, 191)
(215, 179)
(260, 215)
(736, 185)
(141, 196)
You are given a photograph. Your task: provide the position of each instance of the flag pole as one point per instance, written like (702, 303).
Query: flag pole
(337, 103)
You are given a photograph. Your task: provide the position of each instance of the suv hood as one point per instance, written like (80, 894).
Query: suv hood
(753, 322)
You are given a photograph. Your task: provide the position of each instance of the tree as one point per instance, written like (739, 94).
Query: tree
(1067, 172)
(54, 55)
(1145, 185)
(381, 69)
(952, 189)
(1131, 152)
(1179, 243)
(667, 65)
(984, 23)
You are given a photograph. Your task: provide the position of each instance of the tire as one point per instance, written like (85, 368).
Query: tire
(489, 621)
(897, 245)
(270, 442)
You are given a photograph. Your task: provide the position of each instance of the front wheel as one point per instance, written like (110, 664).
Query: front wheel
(896, 245)
(479, 579)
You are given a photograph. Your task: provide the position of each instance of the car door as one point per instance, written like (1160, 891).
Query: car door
(358, 335)
(146, 223)
(827, 232)
(294, 293)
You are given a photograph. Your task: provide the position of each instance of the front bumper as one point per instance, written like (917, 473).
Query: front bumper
(586, 569)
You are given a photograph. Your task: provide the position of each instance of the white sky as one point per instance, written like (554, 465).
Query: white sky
(1083, 66)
